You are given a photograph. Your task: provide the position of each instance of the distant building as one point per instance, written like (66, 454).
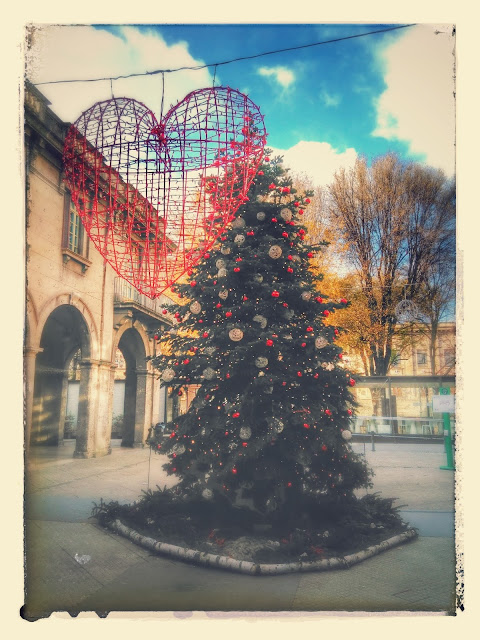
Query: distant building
(411, 353)
(88, 332)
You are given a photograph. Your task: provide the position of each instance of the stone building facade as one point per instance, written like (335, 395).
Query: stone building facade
(78, 310)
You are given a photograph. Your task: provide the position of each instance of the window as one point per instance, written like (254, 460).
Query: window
(74, 229)
(75, 240)
(449, 357)
(421, 358)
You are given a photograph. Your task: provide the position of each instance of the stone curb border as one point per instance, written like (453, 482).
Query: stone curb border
(252, 568)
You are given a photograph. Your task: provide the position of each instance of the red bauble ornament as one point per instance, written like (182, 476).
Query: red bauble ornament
(186, 361)
(260, 173)
(244, 444)
(307, 201)
(236, 414)
(267, 159)
(299, 374)
(155, 337)
(328, 412)
(275, 294)
(228, 314)
(324, 447)
(193, 283)
(269, 343)
(352, 382)
(272, 186)
(289, 484)
(306, 425)
(319, 299)
(326, 313)
(310, 254)
(344, 301)
(289, 269)
(164, 311)
(234, 470)
(125, 169)
(285, 234)
(304, 344)
(274, 219)
(236, 269)
(349, 411)
(205, 334)
(309, 329)
(286, 190)
(336, 332)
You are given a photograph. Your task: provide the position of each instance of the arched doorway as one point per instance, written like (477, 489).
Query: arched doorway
(65, 335)
(135, 381)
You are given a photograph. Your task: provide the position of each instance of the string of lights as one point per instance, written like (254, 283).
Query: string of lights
(224, 62)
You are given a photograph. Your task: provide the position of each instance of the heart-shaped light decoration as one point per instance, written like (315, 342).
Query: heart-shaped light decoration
(154, 196)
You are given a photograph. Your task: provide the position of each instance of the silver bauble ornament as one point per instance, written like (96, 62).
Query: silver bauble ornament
(275, 251)
(168, 375)
(245, 433)
(239, 240)
(223, 294)
(195, 307)
(209, 373)
(346, 435)
(222, 273)
(210, 351)
(235, 335)
(225, 250)
(286, 214)
(258, 278)
(262, 321)
(261, 362)
(178, 449)
(220, 263)
(306, 295)
(261, 216)
(207, 494)
(238, 223)
(320, 342)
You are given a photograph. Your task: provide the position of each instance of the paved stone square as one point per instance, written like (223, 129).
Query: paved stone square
(73, 565)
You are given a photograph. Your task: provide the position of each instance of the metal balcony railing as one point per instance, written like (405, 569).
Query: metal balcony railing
(124, 292)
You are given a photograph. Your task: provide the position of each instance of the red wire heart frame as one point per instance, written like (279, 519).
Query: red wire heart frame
(154, 196)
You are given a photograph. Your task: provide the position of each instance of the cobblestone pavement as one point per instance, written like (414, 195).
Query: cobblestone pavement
(73, 565)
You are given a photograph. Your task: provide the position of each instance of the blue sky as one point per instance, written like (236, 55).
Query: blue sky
(323, 105)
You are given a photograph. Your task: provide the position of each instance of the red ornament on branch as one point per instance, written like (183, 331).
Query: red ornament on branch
(154, 196)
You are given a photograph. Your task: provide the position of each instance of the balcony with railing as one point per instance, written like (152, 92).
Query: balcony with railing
(125, 296)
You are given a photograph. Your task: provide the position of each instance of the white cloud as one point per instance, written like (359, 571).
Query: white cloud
(76, 52)
(329, 99)
(318, 160)
(418, 106)
(282, 75)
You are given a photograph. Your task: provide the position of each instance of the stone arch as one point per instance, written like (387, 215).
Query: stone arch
(73, 300)
(64, 332)
(132, 340)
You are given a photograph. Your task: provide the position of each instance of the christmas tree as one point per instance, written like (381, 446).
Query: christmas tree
(269, 426)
